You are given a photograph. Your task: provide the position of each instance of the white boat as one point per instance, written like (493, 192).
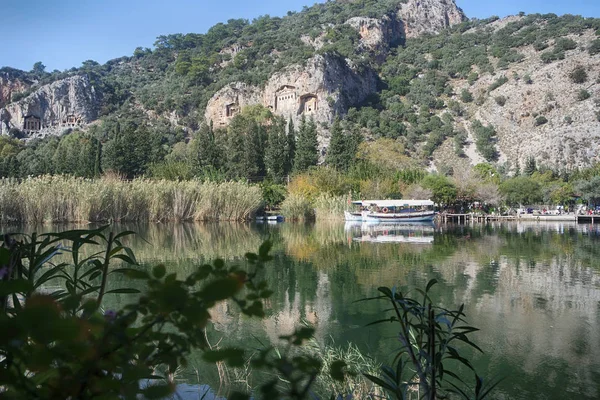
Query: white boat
(392, 211)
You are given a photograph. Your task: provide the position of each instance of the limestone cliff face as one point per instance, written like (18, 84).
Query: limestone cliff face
(323, 87)
(377, 35)
(429, 16)
(53, 108)
(10, 85)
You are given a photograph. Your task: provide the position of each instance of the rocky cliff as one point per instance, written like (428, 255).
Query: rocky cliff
(53, 108)
(321, 88)
(9, 86)
(429, 16)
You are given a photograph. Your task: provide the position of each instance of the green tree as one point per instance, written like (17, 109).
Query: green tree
(130, 151)
(530, 166)
(589, 190)
(276, 152)
(306, 154)
(339, 153)
(290, 150)
(38, 68)
(521, 190)
(206, 152)
(444, 192)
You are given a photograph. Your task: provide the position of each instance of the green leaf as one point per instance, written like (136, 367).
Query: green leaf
(264, 249)
(159, 271)
(14, 286)
(337, 370)
(220, 289)
(123, 291)
(430, 284)
(380, 382)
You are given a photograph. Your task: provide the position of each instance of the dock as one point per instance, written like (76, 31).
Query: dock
(588, 219)
(464, 218)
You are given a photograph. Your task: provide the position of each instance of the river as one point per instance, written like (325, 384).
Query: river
(532, 288)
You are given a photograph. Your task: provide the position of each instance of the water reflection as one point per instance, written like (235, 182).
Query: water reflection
(533, 288)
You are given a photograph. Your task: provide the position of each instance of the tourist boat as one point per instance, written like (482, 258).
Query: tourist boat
(392, 211)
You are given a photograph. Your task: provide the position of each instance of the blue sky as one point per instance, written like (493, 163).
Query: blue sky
(63, 33)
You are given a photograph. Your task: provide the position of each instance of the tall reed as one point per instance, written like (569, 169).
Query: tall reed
(70, 199)
(330, 207)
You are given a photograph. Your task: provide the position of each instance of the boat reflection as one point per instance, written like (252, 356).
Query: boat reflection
(417, 233)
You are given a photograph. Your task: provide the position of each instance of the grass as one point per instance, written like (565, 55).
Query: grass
(69, 199)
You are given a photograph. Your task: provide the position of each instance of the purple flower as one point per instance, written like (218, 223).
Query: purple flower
(3, 272)
(110, 315)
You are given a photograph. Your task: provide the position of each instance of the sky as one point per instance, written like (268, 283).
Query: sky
(64, 33)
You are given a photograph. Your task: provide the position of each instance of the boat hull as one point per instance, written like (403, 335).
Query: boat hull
(353, 216)
(407, 217)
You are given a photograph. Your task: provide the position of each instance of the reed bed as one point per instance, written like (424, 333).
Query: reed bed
(69, 199)
(329, 207)
(297, 207)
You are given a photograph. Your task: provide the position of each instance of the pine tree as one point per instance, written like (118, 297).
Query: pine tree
(338, 153)
(276, 152)
(306, 154)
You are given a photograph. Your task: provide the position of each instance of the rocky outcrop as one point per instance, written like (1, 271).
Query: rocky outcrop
(10, 85)
(429, 16)
(53, 108)
(229, 101)
(378, 35)
(323, 87)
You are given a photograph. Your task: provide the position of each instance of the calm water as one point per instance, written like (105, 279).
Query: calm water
(533, 289)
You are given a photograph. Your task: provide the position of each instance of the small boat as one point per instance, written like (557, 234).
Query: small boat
(276, 218)
(392, 211)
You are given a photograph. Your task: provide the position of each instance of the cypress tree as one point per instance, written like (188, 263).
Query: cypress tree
(236, 148)
(338, 153)
(276, 152)
(206, 152)
(290, 151)
(254, 152)
(306, 154)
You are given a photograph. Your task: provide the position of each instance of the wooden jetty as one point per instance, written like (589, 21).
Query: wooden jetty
(588, 219)
(464, 218)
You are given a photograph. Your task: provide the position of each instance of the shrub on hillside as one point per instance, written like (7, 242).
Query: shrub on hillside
(497, 83)
(466, 96)
(578, 74)
(541, 120)
(500, 100)
(583, 95)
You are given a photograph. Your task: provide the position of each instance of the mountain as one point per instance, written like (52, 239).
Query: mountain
(452, 91)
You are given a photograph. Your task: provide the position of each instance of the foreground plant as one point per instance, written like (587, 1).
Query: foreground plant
(60, 344)
(430, 337)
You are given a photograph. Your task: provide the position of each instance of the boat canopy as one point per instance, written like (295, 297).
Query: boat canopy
(394, 203)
